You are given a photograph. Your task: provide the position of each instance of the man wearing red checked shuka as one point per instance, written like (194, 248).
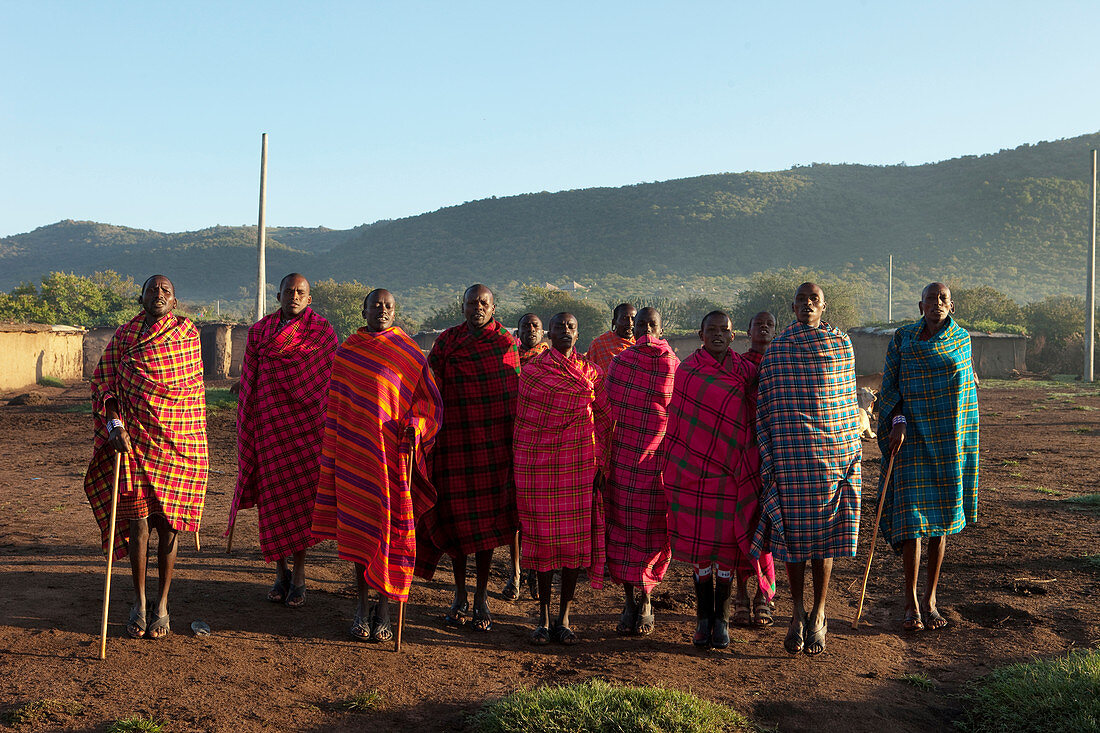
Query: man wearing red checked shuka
(280, 425)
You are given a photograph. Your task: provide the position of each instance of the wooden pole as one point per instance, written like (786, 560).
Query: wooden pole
(1090, 286)
(110, 556)
(229, 542)
(261, 265)
(409, 484)
(890, 293)
(874, 536)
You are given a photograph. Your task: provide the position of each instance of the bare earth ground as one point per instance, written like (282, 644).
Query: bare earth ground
(268, 667)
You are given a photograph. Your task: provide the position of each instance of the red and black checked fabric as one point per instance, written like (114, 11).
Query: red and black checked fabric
(639, 388)
(280, 425)
(810, 451)
(381, 386)
(711, 474)
(563, 428)
(478, 377)
(604, 348)
(156, 378)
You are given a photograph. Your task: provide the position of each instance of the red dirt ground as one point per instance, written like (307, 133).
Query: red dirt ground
(268, 667)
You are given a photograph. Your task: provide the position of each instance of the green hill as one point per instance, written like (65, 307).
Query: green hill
(1015, 220)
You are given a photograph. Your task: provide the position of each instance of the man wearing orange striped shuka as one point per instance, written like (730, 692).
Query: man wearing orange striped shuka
(382, 401)
(605, 346)
(150, 404)
(280, 423)
(639, 387)
(563, 426)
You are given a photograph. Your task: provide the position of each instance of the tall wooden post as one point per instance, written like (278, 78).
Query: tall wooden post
(1090, 286)
(890, 293)
(261, 236)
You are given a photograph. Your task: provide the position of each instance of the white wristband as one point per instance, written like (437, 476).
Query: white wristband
(112, 424)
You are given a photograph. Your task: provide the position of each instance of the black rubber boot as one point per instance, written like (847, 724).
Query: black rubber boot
(704, 611)
(720, 628)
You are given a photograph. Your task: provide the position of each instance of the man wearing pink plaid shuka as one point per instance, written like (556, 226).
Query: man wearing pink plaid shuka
(639, 387)
(562, 430)
(810, 451)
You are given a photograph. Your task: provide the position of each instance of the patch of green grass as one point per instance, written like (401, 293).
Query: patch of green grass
(1083, 408)
(1060, 694)
(920, 681)
(1010, 463)
(37, 711)
(1092, 562)
(1089, 500)
(136, 724)
(45, 381)
(599, 707)
(1083, 430)
(84, 408)
(363, 702)
(1048, 492)
(1015, 474)
(220, 399)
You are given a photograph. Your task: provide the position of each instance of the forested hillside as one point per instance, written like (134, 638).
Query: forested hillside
(1015, 220)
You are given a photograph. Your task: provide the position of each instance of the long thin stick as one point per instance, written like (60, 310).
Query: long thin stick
(401, 604)
(110, 556)
(229, 542)
(874, 536)
(198, 547)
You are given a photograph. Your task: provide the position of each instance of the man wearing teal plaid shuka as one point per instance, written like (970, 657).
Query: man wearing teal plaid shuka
(928, 415)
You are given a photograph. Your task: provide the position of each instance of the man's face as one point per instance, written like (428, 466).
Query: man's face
(717, 335)
(563, 333)
(762, 330)
(936, 304)
(530, 331)
(809, 304)
(158, 298)
(294, 297)
(624, 322)
(379, 311)
(478, 307)
(647, 323)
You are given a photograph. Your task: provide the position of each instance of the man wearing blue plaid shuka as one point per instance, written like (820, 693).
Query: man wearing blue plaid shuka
(928, 416)
(808, 433)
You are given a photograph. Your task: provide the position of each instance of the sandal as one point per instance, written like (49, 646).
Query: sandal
(360, 629)
(742, 614)
(644, 624)
(379, 630)
(627, 623)
(296, 597)
(935, 620)
(912, 622)
(281, 587)
(137, 621)
(540, 636)
(794, 643)
(532, 584)
(815, 640)
(160, 623)
(511, 590)
(564, 635)
(762, 614)
(457, 616)
(483, 622)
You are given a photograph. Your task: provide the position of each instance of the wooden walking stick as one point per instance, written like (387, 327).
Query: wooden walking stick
(409, 478)
(874, 536)
(198, 547)
(229, 542)
(110, 556)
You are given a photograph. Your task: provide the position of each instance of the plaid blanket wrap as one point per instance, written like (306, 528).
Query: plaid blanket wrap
(526, 356)
(808, 433)
(380, 386)
(156, 378)
(639, 387)
(605, 347)
(563, 427)
(280, 425)
(711, 474)
(478, 376)
(934, 488)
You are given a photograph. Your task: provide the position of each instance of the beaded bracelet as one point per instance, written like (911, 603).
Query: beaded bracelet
(112, 424)
(898, 420)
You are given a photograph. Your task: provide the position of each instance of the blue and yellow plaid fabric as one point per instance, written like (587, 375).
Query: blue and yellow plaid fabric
(934, 489)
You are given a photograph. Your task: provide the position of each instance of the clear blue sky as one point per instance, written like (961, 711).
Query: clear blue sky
(149, 114)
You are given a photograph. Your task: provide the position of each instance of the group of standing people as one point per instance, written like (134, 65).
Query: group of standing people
(623, 457)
